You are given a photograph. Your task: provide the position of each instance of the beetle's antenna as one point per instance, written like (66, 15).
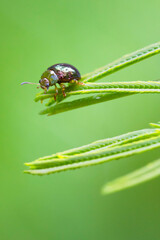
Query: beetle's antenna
(30, 83)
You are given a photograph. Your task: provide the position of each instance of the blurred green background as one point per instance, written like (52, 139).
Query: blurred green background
(87, 34)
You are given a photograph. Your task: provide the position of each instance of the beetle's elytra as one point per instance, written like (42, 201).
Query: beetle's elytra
(58, 73)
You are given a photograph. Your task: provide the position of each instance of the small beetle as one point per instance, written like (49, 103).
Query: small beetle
(58, 73)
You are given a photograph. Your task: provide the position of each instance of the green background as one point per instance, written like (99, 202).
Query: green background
(69, 206)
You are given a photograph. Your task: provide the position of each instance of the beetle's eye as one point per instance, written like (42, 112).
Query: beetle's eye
(44, 82)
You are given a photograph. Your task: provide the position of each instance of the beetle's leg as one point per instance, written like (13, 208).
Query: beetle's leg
(45, 91)
(76, 82)
(63, 89)
(56, 90)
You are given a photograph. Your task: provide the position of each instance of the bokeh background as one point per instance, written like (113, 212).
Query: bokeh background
(68, 205)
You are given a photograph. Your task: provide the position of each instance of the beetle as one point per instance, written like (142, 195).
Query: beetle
(58, 73)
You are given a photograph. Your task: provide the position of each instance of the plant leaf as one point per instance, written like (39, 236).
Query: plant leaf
(157, 125)
(104, 92)
(123, 62)
(100, 155)
(82, 102)
(146, 173)
(137, 87)
(110, 87)
(109, 142)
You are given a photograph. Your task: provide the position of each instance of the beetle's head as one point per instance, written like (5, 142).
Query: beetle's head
(44, 83)
(48, 78)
